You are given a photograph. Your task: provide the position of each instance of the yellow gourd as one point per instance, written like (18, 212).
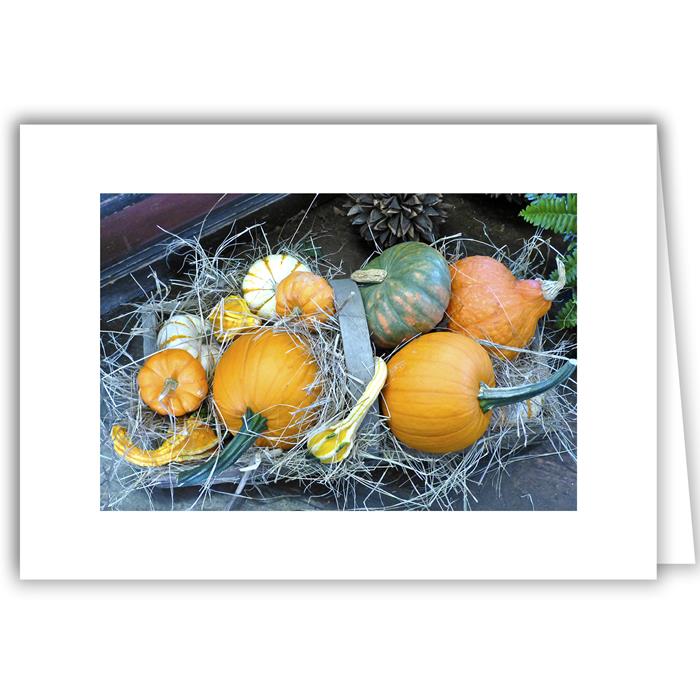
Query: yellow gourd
(230, 316)
(333, 443)
(193, 441)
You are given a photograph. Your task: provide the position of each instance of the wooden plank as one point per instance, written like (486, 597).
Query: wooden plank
(149, 324)
(357, 347)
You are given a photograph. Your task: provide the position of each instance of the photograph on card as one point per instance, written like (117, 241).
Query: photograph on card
(368, 351)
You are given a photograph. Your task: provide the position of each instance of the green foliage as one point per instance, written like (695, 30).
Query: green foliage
(566, 318)
(556, 214)
(570, 265)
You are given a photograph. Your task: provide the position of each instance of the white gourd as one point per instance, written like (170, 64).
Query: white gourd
(260, 283)
(189, 332)
(209, 356)
(527, 411)
(191, 346)
(181, 327)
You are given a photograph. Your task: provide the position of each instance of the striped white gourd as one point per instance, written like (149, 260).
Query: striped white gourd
(189, 332)
(209, 354)
(522, 412)
(181, 327)
(527, 411)
(260, 283)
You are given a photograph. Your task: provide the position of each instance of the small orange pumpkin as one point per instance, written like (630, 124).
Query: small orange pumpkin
(438, 396)
(271, 375)
(306, 295)
(489, 303)
(172, 382)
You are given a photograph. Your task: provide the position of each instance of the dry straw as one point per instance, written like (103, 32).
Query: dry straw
(379, 470)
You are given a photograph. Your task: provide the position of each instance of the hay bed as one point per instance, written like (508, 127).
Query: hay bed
(378, 462)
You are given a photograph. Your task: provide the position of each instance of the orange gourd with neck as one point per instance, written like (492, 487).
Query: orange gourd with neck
(489, 303)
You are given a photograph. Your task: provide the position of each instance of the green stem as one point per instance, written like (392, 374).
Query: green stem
(490, 397)
(254, 425)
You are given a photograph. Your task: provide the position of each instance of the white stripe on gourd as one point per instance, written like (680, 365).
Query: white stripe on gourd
(333, 443)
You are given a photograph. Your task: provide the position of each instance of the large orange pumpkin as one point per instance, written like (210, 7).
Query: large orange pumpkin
(438, 395)
(489, 303)
(271, 375)
(306, 295)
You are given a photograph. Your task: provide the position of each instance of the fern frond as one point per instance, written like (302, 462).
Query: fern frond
(570, 267)
(566, 318)
(533, 196)
(556, 214)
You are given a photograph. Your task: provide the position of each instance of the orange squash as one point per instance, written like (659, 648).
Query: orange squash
(172, 382)
(306, 295)
(439, 392)
(488, 303)
(272, 377)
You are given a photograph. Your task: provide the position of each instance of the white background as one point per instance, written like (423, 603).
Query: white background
(508, 62)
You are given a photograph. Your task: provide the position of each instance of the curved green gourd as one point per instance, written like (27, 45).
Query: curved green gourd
(413, 296)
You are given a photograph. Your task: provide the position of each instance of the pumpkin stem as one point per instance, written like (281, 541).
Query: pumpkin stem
(169, 385)
(550, 288)
(368, 276)
(490, 397)
(254, 425)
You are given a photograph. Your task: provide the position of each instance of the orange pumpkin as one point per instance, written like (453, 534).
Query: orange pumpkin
(271, 375)
(438, 396)
(172, 382)
(306, 295)
(489, 303)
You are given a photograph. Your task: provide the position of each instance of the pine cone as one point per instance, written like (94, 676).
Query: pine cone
(386, 219)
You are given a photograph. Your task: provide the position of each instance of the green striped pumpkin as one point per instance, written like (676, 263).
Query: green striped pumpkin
(412, 297)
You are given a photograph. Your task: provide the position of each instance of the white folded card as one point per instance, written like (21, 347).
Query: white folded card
(676, 544)
(612, 534)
